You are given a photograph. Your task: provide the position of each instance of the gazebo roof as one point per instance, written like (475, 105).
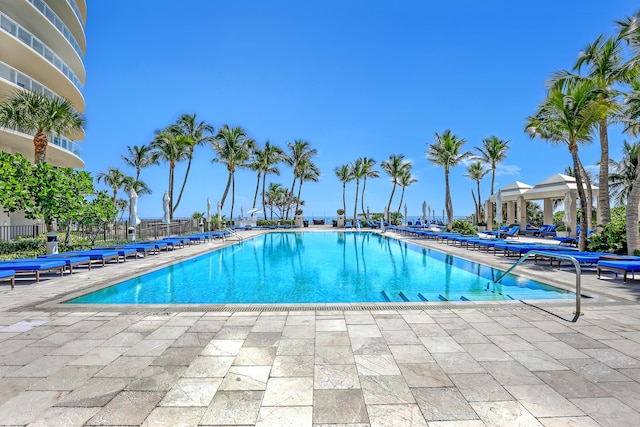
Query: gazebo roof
(554, 187)
(511, 192)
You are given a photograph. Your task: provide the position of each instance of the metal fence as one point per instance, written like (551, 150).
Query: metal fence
(148, 229)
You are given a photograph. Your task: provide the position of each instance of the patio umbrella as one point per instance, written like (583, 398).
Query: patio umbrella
(424, 211)
(405, 213)
(133, 208)
(241, 212)
(499, 207)
(219, 214)
(165, 209)
(208, 210)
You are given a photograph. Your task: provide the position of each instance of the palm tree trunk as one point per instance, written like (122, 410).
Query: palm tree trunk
(479, 204)
(603, 184)
(344, 197)
(226, 190)
(115, 194)
(475, 202)
(233, 196)
(633, 203)
(171, 166)
(582, 244)
(299, 192)
(401, 198)
(447, 200)
(493, 177)
(393, 190)
(264, 205)
(355, 205)
(40, 147)
(293, 186)
(186, 175)
(364, 185)
(255, 196)
(589, 194)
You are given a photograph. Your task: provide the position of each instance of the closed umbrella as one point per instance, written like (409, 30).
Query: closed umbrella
(499, 207)
(165, 209)
(566, 219)
(133, 208)
(219, 214)
(405, 214)
(424, 212)
(208, 211)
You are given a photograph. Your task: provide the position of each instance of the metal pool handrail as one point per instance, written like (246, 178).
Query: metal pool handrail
(576, 264)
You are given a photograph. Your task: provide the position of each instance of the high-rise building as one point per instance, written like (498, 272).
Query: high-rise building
(42, 48)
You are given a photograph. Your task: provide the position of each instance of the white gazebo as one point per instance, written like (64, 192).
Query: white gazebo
(512, 195)
(557, 187)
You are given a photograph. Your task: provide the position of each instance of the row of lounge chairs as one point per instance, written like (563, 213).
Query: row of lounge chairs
(603, 261)
(68, 261)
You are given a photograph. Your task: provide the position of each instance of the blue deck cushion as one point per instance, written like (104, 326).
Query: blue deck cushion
(70, 260)
(619, 266)
(102, 255)
(34, 266)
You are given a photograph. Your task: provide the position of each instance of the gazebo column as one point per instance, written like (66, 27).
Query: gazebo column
(522, 210)
(548, 212)
(511, 212)
(488, 213)
(573, 213)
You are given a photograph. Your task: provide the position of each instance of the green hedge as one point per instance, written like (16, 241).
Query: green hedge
(22, 245)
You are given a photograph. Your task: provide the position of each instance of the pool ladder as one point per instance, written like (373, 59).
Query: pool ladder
(234, 233)
(575, 262)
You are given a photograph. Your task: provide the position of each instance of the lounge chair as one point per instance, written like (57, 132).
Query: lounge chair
(630, 265)
(549, 231)
(348, 224)
(34, 266)
(9, 275)
(72, 261)
(102, 255)
(512, 233)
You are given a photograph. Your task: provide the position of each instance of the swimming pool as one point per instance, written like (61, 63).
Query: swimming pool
(321, 267)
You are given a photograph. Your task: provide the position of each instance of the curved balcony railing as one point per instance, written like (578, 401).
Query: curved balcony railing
(75, 8)
(16, 77)
(58, 23)
(18, 31)
(57, 140)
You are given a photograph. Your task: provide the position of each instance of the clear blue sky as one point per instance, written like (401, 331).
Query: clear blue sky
(354, 78)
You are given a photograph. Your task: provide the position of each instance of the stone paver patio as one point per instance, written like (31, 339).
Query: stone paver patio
(465, 364)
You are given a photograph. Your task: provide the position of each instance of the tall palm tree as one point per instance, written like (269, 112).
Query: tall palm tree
(139, 186)
(624, 172)
(446, 152)
(343, 174)
(477, 172)
(307, 171)
(368, 171)
(606, 68)
(233, 148)
(171, 148)
(406, 179)
(492, 152)
(266, 161)
(395, 167)
(298, 151)
(27, 111)
(140, 157)
(197, 134)
(113, 178)
(569, 117)
(357, 173)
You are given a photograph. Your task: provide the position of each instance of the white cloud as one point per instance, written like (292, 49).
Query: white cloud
(508, 170)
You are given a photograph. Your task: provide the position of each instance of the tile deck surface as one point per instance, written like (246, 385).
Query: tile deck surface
(462, 364)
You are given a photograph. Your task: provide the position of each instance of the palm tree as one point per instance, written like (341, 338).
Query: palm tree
(395, 166)
(171, 148)
(140, 187)
(477, 172)
(356, 172)
(298, 150)
(140, 157)
(624, 172)
(492, 152)
(233, 148)
(197, 134)
(307, 171)
(406, 179)
(121, 206)
(27, 111)
(603, 59)
(265, 163)
(445, 152)
(113, 178)
(368, 171)
(569, 117)
(343, 174)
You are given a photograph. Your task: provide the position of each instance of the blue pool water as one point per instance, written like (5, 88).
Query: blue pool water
(321, 267)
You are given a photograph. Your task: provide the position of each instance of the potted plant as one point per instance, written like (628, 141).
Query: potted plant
(298, 218)
(482, 226)
(340, 218)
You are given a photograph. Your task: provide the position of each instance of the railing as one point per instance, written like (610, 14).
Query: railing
(51, 16)
(8, 232)
(576, 264)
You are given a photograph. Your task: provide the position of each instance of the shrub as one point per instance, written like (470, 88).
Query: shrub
(340, 211)
(23, 245)
(463, 227)
(612, 237)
